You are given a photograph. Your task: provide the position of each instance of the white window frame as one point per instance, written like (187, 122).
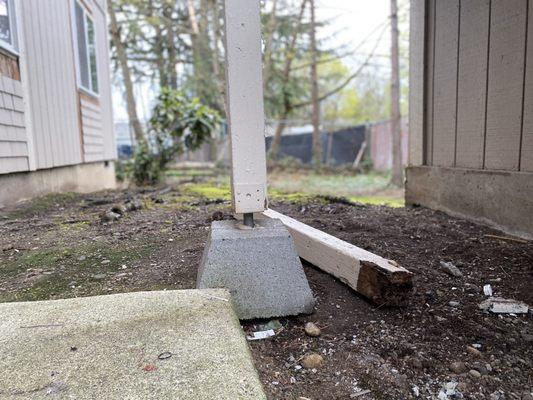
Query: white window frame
(11, 47)
(86, 15)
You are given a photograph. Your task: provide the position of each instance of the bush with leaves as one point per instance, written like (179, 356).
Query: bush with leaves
(177, 124)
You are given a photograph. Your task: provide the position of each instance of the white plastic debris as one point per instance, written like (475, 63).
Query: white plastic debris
(449, 391)
(487, 289)
(497, 305)
(262, 335)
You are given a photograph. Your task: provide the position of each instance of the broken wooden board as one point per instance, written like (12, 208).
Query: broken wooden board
(380, 280)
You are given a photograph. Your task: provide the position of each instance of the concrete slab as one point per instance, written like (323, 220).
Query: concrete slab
(260, 267)
(115, 347)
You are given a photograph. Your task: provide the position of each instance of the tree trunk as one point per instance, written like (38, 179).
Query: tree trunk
(271, 28)
(171, 45)
(397, 167)
(289, 58)
(126, 75)
(276, 140)
(317, 136)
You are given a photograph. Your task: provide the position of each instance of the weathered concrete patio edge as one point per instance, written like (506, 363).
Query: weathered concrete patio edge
(148, 345)
(501, 199)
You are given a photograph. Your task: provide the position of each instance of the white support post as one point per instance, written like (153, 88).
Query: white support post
(244, 91)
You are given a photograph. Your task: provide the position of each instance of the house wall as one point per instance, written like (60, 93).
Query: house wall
(50, 122)
(13, 134)
(51, 87)
(471, 108)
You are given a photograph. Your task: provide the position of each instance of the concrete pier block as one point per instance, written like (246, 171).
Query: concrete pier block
(260, 267)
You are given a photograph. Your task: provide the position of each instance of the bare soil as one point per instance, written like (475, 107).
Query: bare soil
(58, 247)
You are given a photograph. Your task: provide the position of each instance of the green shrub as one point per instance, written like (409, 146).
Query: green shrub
(177, 124)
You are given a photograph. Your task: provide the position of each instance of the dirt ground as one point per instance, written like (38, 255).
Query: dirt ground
(58, 247)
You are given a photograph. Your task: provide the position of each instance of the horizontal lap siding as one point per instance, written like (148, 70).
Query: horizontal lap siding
(93, 134)
(52, 83)
(13, 135)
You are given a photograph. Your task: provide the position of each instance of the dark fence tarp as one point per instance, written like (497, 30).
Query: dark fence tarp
(341, 149)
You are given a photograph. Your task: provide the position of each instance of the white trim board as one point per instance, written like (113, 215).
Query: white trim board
(378, 279)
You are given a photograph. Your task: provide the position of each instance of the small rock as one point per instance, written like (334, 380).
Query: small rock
(474, 374)
(312, 330)
(217, 216)
(119, 209)
(133, 205)
(99, 276)
(109, 216)
(82, 258)
(458, 367)
(454, 304)
(497, 396)
(473, 352)
(416, 363)
(481, 368)
(451, 269)
(311, 361)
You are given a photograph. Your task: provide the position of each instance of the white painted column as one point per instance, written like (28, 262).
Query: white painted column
(244, 91)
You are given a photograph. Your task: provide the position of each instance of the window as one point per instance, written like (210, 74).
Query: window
(8, 36)
(86, 40)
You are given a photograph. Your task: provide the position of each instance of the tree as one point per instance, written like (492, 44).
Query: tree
(178, 123)
(397, 167)
(317, 134)
(126, 74)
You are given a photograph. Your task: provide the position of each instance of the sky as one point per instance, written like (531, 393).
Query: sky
(350, 23)
(353, 20)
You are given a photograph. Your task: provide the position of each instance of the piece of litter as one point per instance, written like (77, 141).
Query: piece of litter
(274, 324)
(165, 355)
(497, 305)
(449, 391)
(487, 289)
(361, 393)
(262, 335)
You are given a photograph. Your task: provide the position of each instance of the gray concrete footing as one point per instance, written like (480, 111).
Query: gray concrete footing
(259, 266)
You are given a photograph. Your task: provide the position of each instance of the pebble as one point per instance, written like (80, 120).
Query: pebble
(474, 374)
(481, 368)
(312, 330)
(110, 216)
(454, 304)
(473, 352)
(313, 360)
(451, 269)
(99, 276)
(458, 367)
